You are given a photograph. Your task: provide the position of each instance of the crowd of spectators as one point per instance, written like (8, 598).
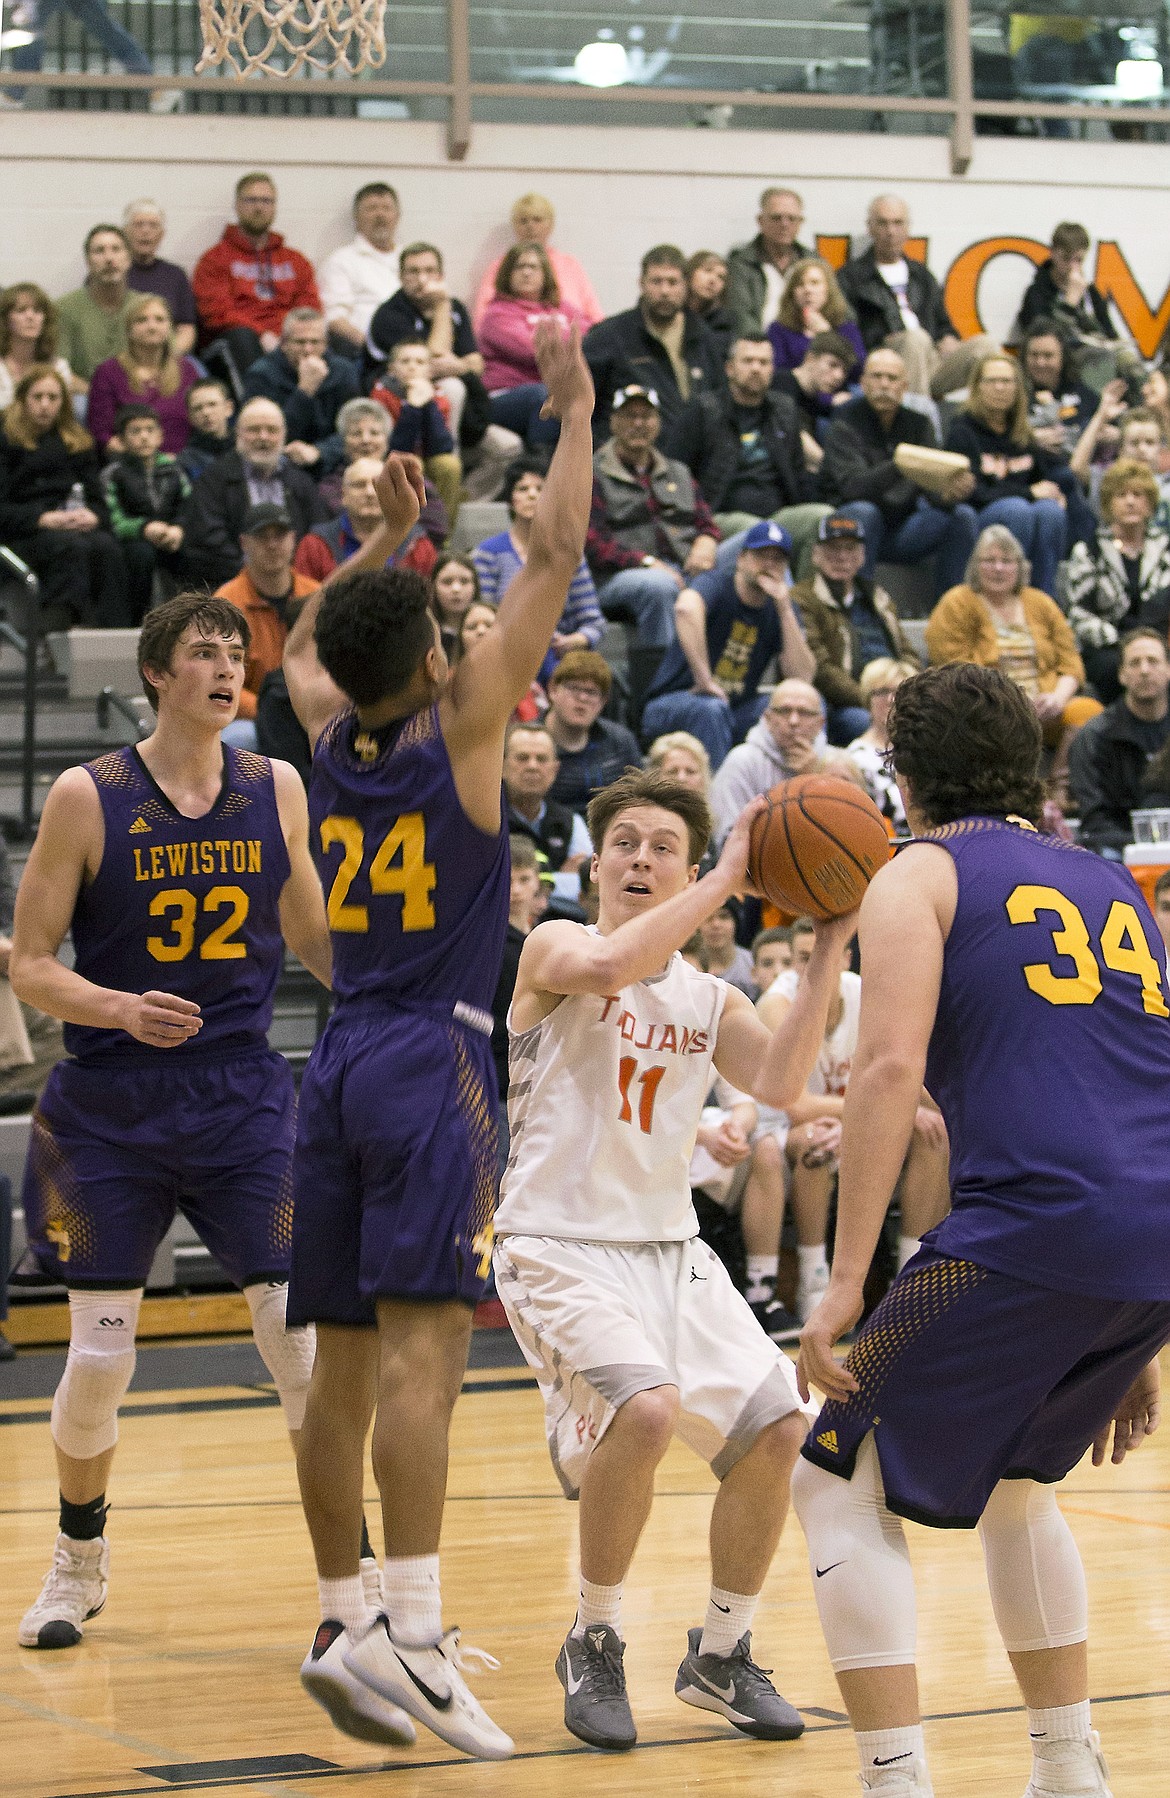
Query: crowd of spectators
(776, 438)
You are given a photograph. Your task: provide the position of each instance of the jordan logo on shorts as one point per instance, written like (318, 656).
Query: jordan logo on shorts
(828, 1440)
(695, 1276)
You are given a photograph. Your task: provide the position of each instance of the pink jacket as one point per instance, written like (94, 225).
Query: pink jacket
(505, 335)
(577, 294)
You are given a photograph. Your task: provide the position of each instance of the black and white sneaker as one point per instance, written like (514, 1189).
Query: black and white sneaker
(733, 1686)
(351, 1704)
(590, 1667)
(775, 1320)
(73, 1591)
(428, 1682)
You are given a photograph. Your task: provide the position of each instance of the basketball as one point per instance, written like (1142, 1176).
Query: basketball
(817, 845)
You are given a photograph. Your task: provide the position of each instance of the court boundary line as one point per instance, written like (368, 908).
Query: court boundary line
(253, 1401)
(539, 1754)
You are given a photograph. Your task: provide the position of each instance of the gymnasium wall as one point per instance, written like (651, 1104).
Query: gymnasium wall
(616, 192)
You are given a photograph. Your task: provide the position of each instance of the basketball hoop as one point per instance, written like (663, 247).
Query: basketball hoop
(292, 37)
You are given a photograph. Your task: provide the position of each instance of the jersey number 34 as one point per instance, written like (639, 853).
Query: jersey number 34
(1123, 947)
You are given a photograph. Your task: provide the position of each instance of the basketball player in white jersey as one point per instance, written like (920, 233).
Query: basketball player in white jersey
(631, 1323)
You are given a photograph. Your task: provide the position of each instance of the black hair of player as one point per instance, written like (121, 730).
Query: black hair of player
(968, 741)
(373, 631)
(647, 786)
(164, 625)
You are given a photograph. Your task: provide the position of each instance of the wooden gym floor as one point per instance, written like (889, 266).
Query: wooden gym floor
(188, 1680)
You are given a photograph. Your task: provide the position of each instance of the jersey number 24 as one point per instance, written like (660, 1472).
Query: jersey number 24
(399, 866)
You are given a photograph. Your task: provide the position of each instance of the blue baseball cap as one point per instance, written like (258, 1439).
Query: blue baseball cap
(768, 535)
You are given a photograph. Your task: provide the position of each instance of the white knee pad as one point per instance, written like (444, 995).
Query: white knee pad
(287, 1354)
(1033, 1569)
(98, 1369)
(860, 1564)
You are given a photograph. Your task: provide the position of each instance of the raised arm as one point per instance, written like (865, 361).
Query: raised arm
(489, 683)
(561, 958)
(69, 849)
(302, 906)
(315, 698)
(774, 1065)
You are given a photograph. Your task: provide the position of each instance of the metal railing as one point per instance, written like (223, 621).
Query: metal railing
(169, 36)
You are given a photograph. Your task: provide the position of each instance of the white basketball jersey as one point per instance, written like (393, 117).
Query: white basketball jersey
(604, 1100)
(835, 1061)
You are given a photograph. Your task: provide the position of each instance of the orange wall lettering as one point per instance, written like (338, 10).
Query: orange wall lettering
(833, 250)
(962, 282)
(1116, 282)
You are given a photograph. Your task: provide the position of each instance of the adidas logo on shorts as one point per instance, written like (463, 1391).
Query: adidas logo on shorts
(828, 1440)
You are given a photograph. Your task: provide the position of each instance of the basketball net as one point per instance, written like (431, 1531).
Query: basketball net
(292, 37)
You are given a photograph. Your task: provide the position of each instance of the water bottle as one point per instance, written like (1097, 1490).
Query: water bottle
(76, 500)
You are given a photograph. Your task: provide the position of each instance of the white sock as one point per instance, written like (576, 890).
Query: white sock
(414, 1602)
(344, 1601)
(761, 1277)
(729, 1616)
(1063, 1723)
(907, 1246)
(598, 1604)
(811, 1261)
(889, 1754)
(1061, 1744)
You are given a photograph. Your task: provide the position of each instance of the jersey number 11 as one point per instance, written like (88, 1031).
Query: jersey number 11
(649, 1081)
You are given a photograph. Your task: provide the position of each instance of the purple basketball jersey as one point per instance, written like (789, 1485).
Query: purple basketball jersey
(184, 905)
(417, 896)
(1050, 1060)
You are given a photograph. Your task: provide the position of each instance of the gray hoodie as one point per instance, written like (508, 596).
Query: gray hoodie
(756, 765)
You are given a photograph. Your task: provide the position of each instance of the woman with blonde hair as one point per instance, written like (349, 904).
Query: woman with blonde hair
(879, 680)
(148, 372)
(684, 758)
(811, 304)
(1016, 481)
(533, 219)
(52, 513)
(28, 338)
(996, 620)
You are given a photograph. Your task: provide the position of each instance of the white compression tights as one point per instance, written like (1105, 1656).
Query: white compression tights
(1033, 1569)
(860, 1564)
(867, 1609)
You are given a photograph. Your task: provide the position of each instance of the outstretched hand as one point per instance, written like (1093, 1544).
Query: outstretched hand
(563, 369)
(401, 493)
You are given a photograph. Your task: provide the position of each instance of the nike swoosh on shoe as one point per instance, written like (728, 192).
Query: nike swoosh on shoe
(727, 1693)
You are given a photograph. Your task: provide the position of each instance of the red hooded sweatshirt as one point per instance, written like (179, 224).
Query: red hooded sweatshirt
(237, 284)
